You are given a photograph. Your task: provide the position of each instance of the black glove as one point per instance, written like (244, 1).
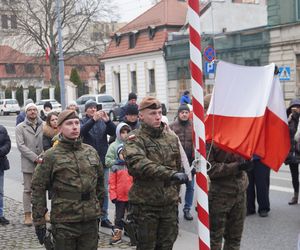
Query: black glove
(40, 232)
(246, 166)
(180, 178)
(114, 201)
(193, 171)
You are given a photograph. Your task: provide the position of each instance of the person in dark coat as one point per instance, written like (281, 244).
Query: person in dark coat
(183, 128)
(132, 98)
(95, 127)
(132, 116)
(293, 158)
(5, 145)
(47, 109)
(50, 130)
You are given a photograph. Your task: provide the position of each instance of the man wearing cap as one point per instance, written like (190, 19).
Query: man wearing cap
(153, 159)
(183, 128)
(132, 98)
(73, 172)
(29, 138)
(21, 116)
(132, 116)
(95, 127)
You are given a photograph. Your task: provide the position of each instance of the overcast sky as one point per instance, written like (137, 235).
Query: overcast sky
(130, 9)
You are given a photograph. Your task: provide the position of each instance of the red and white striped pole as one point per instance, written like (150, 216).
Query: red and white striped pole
(198, 120)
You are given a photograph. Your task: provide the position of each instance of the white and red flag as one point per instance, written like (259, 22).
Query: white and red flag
(247, 113)
(48, 53)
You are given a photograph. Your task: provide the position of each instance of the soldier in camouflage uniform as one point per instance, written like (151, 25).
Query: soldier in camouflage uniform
(153, 159)
(227, 195)
(73, 171)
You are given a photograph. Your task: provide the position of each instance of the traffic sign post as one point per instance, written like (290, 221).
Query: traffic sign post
(209, 53)
(284, 73)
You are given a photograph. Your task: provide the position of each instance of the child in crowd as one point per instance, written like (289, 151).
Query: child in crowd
(120, 183)
(122, 131)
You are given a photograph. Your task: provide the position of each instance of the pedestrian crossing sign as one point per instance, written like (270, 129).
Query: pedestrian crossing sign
(284, 73)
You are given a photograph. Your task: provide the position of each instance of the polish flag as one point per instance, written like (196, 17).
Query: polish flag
(48, 53)
(247, 113)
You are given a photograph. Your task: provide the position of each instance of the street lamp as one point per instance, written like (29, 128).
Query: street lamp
(61, 65)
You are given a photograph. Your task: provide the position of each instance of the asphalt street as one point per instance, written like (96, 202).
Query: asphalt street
(280, 230)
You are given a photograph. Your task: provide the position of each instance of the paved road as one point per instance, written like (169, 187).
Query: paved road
(278, 231)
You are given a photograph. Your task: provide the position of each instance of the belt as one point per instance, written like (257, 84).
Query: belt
(85, 196)
(150, 183)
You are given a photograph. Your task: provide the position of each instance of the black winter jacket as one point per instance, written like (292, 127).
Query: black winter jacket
(95, 134)
(5, 145)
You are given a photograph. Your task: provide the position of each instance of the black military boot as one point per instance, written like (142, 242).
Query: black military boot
(4, 221)
(187, 215)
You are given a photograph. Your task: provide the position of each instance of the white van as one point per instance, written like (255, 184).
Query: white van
(8, 106)
(105, 102)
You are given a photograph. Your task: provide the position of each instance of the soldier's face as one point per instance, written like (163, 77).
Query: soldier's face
(151, 117)
(70, 129)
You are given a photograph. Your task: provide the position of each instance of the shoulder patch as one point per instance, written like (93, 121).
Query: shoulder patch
(131, 137)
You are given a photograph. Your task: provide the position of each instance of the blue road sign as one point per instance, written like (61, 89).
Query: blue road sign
(285, 73)
(209, 68)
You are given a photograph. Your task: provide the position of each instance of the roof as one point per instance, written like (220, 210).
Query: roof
(166, 16)
(166, 12)
(10, 55)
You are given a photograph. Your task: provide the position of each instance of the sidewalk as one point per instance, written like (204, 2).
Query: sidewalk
(17, 236)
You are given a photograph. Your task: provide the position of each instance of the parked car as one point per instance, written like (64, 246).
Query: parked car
(106, 102)
(114, 113)
(56, 106)
(8, 106)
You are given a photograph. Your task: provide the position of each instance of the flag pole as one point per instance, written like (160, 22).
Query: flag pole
(198, 121)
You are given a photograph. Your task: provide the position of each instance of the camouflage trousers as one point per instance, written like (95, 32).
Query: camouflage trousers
(227, 213)
(76, 236)
(156, 227)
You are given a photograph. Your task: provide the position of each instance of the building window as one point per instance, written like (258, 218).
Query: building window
(151, 80)
(252, 62)
(80, 67)
(10, 68)
(131, 41)
(29, 68)
(117, 38)
(133, 82)
(298, 9)
(4, 22)
(13, 21)
(151, 32)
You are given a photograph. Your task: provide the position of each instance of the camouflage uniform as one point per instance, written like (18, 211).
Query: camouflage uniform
(73, 172)
(227, 199)
(152, 156)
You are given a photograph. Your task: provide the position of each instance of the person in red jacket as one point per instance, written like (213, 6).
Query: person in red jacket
(119, 184)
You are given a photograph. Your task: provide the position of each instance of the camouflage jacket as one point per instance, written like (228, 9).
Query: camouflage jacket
(152, 156)
(73, 172)
(225, 177)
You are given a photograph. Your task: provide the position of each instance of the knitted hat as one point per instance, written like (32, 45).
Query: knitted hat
(149, 102)
(132, 96)
(47, 104)
(66, 115)
(90, 103)
(183, 107)
(186, 92)
(30, 105)
(72, 103)
(28, 101)
(132, 109)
